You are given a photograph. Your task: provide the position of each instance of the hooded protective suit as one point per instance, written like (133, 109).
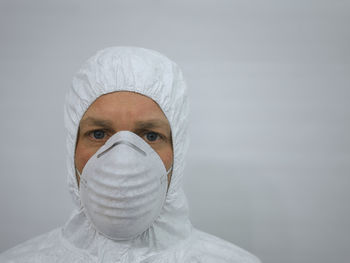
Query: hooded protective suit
(171, 237)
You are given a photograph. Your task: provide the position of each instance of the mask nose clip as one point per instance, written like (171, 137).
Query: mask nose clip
(122, 142)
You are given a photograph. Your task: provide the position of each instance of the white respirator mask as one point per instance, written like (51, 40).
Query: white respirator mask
(123, 187)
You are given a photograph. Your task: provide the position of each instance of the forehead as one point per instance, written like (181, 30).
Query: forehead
(124, 106)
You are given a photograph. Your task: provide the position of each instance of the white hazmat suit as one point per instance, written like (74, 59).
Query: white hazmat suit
(171, 237)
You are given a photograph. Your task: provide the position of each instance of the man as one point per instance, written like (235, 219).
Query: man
(126, 117)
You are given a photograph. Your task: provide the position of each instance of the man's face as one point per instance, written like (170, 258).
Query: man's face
(123, 111)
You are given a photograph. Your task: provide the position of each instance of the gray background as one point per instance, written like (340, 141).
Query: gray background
(269, 83)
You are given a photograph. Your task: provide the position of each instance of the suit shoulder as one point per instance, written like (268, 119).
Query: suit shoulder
(38, 249)
(215, 249)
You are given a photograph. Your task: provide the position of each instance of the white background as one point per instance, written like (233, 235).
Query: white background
(269, 82)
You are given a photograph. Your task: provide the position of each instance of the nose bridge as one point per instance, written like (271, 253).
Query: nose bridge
(130, 144)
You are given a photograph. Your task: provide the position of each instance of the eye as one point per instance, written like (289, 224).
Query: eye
(98, 134)
(152, 136)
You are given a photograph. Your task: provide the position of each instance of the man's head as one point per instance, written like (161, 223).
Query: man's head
(131, 76)
(120, 111)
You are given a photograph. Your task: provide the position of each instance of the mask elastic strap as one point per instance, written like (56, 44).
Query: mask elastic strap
(170, 169)
(76, 169)
(81, 179)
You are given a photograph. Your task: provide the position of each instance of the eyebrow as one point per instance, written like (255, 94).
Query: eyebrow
(151, 124)
(96, 122)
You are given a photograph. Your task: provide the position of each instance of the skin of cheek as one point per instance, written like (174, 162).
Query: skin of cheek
(167, 158)
(82, 155)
